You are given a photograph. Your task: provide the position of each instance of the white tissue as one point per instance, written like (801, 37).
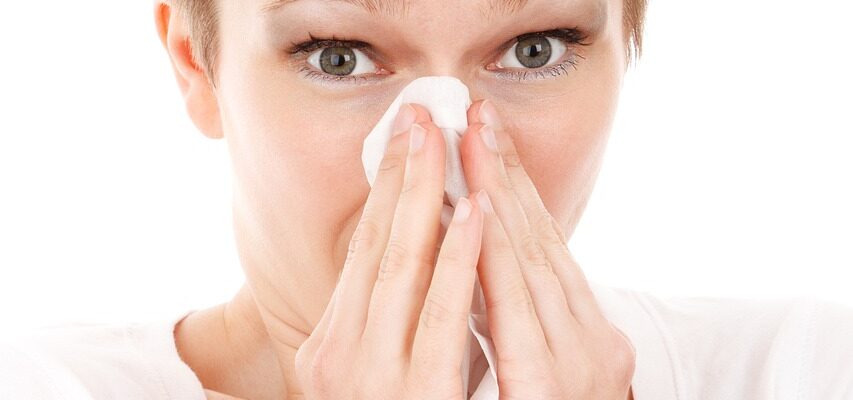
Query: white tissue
(447, 100)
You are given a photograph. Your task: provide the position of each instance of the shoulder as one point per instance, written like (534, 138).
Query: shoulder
(96, 361)
(26, 373)
(768, 348)
(826, 359)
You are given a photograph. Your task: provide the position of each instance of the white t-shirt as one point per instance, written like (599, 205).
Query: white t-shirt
(687, 348)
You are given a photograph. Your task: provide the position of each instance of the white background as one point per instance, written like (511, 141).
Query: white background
(729, 171)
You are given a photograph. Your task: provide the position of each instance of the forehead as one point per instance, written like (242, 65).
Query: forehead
(400, 7)
(427, 23)
(488, 9)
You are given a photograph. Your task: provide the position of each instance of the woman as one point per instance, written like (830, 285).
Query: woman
(353, 292)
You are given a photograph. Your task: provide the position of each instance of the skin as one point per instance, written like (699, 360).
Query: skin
(300, 191)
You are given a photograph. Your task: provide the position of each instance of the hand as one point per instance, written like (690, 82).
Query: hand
(214, 395)
(551, 338)
(394, 329)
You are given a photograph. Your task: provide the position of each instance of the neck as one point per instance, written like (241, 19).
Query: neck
(246, 347)
(232, 350)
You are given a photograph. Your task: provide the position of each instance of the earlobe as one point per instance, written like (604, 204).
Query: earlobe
(199, 96)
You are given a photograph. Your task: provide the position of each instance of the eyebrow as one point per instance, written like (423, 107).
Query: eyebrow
(395, 7)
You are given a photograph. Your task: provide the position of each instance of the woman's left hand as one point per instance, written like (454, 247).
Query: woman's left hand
(551, 338)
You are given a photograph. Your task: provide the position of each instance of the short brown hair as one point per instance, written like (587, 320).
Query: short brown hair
(202, 16)
(203, 19)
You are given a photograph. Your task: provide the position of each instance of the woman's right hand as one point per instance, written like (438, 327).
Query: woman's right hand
(395, 327)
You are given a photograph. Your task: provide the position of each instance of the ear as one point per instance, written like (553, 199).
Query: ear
(199, 96)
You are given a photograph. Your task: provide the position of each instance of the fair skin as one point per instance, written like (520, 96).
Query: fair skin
(300, 194)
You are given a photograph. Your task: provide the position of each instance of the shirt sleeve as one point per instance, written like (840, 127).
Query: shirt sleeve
(792, 348)
(25, 373)
(97, 361)
(828, 369)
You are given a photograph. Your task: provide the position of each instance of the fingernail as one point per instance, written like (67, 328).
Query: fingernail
(405, 118)
(487, 134)
(416, 137)
(463, 210)
(488, 114)
(485, 202)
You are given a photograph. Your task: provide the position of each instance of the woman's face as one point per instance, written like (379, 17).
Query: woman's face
(295, 132)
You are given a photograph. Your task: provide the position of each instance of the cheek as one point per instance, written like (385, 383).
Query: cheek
(561, 141)
(296, 153)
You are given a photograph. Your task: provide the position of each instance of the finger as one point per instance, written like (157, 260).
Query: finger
(443, 325)
(367, 245)
(544, 227)
(214, 395)
(446, 211)
(484, 170)
(446, 216)
(407, 264)
(513, 323)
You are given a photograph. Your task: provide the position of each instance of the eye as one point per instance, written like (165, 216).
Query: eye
(550, 51)
(533, 52)
(341, 61)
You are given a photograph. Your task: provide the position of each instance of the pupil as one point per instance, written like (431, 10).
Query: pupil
(337, 60)
(533, 52)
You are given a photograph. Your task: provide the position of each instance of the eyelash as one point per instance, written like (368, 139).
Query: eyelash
(569, 36)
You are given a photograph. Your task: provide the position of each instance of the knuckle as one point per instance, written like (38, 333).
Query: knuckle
(511, 159)
(623, 362)
(436, 312)
(417, 186)
(425, 260)
(392, 161)
(618, 361)
(516, 298)
(411, 180)
(393, 260)
(544, 226)
(503, 249)
(534, 256)
(398, 257)
(367, 235)
(504, 184)
(320, 371)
